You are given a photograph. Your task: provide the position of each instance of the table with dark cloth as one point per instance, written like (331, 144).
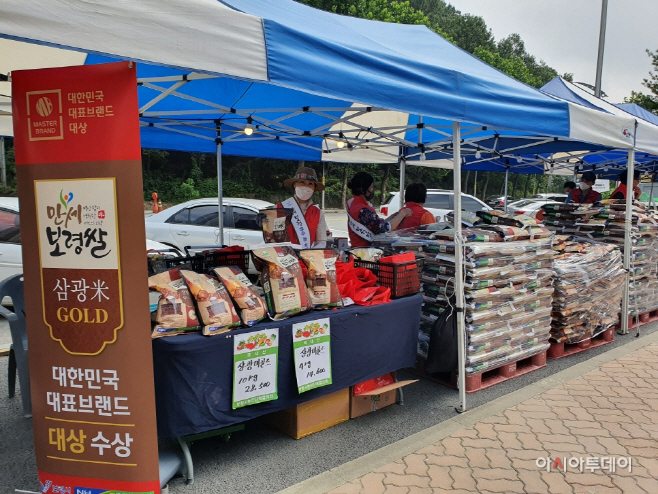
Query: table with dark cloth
(194, 373)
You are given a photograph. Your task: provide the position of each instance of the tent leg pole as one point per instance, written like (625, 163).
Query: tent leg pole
(651, 193)
(3, 163)
(459, 282)
(403, 169)
(506, 184)
(324, 174)
(627, 242)
(475, 185)
(220, 198)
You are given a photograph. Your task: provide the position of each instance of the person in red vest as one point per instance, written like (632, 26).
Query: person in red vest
(620, 191)
(308, 228)
(584, 194)
(362, 220)
(415, 196)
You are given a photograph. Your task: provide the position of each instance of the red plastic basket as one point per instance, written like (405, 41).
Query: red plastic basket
(402, 278)
(238, 258)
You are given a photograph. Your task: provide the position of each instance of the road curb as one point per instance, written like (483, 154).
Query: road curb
(359, 467)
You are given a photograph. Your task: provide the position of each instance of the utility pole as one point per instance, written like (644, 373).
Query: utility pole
(599, 61)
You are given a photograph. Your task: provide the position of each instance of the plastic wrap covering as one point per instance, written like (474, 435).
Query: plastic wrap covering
(605, 223)
(508, 295)
(507, 269)
(588, 285)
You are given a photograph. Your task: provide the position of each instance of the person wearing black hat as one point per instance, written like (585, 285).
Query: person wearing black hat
(585, 194)
(308, 228)
(362, 220)
(569, 186)
(620, 191)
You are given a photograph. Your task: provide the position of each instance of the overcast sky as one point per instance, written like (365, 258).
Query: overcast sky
(565, 34)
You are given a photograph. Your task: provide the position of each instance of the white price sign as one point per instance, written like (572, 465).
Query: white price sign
(255, 364)
(312, 351)
(601, 185)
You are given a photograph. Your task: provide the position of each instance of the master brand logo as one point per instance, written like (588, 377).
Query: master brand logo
(44, 115)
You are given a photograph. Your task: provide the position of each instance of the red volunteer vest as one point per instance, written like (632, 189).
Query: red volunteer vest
(312, 217)
(622, 188)
(357, 205)
(413, 221)
(591, 197)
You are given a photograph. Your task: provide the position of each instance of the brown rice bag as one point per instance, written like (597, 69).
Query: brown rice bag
(321, 277)
(213, 302)
(275, 222)
(176, 313)
(283, 282)
(250, 305)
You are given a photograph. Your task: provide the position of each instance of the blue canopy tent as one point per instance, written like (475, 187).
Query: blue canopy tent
(276, 78)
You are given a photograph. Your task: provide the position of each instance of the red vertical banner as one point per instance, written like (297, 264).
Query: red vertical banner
(86, 292)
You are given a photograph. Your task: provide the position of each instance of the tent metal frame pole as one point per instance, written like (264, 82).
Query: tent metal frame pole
(459, 281)
(324, 174)
(506, 184)
(3, 163)
(651, 205)
(475, 185)
(220, 193)
(403, 169)
(630, 167)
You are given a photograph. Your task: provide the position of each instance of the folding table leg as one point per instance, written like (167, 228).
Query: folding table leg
(188, 460)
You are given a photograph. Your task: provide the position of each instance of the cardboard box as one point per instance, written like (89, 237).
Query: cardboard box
(314, 415)
(374, 400)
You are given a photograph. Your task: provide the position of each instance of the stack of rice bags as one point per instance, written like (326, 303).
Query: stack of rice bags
(588, 284)
(508, 293)
(604, 222)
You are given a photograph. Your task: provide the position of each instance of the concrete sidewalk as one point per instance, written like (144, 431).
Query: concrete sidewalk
(606, 407)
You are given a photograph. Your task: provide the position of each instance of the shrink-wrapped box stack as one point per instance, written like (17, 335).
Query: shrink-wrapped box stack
(588, 284)
(507, 284)
(605, 222)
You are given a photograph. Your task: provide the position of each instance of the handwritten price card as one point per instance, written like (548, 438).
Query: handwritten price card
(255, 364)
(312, 349)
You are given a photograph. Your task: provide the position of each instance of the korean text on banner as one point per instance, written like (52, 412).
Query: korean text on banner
(312, 351)
(79, 173)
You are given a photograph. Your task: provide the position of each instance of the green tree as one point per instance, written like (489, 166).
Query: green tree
(400, 12)
(466, 31)
(648, 101)
(512, 66)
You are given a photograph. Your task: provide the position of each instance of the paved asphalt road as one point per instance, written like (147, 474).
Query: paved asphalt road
(260, 459)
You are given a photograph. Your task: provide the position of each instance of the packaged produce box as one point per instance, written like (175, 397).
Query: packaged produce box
(313, 416)
(374, 399)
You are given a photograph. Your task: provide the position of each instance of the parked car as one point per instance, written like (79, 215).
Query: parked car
(498, 201)
(439, 203)
(530, 208)
(551, 197)
(195, 223)
(11, 252)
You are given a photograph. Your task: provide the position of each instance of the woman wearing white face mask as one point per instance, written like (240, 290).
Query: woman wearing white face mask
(309, 228)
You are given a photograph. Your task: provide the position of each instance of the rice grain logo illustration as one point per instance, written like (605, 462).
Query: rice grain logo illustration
(44, 106)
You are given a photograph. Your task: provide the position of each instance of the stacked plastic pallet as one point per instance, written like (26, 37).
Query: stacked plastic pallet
(605, 222)
(588, 284)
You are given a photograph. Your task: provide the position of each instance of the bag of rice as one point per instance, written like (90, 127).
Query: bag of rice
(283, 282)
(275, 222)
(499, 218)
(215, 307)
(509, 233)
(321, 277)
(176, 313)
(251, 306)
